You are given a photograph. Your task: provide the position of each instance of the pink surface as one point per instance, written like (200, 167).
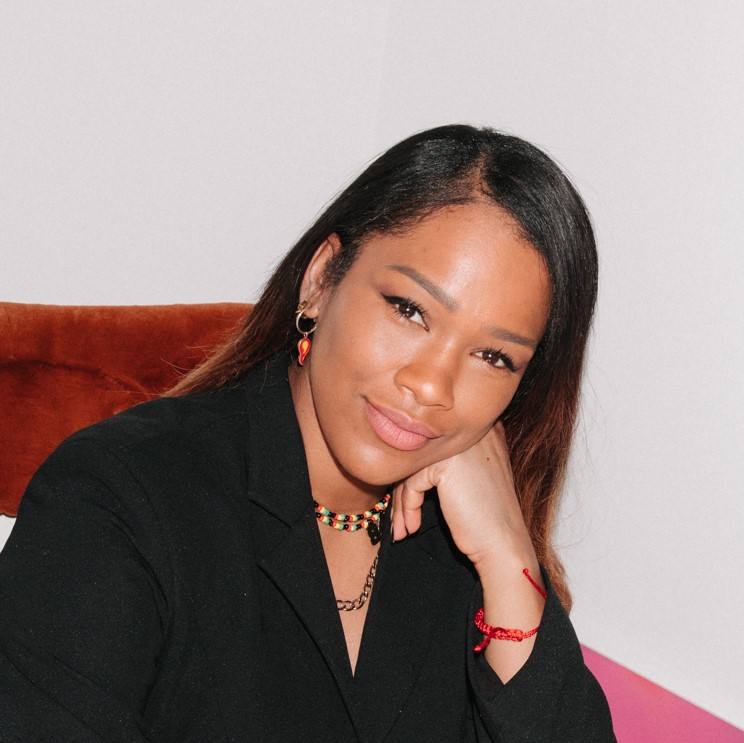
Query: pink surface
(643, 712)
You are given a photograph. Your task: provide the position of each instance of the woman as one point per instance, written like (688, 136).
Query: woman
(333, 529)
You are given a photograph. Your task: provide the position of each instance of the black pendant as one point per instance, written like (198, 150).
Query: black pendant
(374, 532)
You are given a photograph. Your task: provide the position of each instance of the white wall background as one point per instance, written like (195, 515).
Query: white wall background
(170, 152)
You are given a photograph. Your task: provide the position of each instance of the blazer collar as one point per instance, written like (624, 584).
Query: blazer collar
(278, 479)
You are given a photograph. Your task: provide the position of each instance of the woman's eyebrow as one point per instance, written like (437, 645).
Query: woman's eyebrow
(447, 301)
(425, 283)
(507, 335)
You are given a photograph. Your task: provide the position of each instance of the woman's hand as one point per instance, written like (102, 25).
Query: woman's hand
(477, 497)
(479, 503)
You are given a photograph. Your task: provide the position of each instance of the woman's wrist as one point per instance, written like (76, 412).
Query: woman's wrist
(513, 603)
(511, 596)
(511, 553)
(513, 634)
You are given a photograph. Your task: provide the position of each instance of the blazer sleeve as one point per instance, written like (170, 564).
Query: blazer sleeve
(83, 602)
(553, 697)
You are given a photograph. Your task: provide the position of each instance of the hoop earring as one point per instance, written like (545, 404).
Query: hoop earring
(304, 344)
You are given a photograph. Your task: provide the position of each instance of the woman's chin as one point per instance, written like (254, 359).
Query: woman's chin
(380, 471)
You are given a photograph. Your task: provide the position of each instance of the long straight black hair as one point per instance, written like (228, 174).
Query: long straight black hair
(432, 170)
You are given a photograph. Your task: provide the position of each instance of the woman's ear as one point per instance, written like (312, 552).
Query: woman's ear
(314, 285)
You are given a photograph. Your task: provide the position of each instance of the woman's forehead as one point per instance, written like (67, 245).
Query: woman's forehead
(471, 257)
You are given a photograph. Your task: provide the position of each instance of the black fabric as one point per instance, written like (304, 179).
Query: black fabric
(165, 581)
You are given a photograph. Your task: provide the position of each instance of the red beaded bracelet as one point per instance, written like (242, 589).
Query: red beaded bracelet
(501, 633)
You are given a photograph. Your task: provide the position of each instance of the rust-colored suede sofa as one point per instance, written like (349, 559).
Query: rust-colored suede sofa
(62, 368)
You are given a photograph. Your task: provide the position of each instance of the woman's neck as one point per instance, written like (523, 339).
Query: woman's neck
(331, 485)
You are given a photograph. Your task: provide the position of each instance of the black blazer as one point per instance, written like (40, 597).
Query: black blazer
(165, 581)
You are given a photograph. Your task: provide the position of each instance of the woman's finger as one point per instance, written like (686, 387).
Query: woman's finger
(408, 499)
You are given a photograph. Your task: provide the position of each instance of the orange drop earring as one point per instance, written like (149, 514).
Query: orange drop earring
(304, 344)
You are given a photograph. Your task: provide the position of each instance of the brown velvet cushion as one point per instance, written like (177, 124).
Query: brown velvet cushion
(62, 368)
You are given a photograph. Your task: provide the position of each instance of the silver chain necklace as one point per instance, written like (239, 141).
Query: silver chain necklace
(342, 605)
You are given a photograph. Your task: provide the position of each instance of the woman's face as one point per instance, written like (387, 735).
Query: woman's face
(421, 346)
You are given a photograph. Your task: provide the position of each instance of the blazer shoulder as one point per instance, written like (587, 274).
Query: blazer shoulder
(163, 423)
(171, 442)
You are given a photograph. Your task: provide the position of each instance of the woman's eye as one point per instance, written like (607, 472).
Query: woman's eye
(499, 359)
(407, 308)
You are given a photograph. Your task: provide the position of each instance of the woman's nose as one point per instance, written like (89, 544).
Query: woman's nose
(431, 381)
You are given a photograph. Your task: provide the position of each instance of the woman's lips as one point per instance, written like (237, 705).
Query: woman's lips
(396, 429)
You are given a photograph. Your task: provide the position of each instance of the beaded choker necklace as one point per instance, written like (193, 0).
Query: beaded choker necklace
(369, 520)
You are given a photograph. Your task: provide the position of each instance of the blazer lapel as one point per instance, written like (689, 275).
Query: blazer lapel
(293, 567)
(409, 596)
(285, 533)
